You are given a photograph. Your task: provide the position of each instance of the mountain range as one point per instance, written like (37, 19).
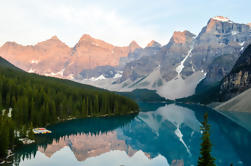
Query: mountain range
(174, 70)
(54, 58)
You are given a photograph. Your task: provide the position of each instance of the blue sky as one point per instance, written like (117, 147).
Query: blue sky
(115, 21)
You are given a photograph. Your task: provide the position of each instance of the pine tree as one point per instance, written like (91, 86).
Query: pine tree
(4, 138)
(0, 99)
(205, 158)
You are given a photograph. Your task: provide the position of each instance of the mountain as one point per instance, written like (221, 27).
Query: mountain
(54, 58)
(16, 86)
(239, 79)
(153, 44)
(32, 100)
(220, 37)
(159, 68)
(232, 90)
(174, 70)
(187, 59)
(43, 58)
(89, 53)
(177, 50)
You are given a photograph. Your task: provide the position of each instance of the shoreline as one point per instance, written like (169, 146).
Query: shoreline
(27, 140)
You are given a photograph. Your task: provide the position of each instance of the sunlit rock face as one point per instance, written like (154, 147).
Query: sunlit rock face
(153, 43)
(89, 53)
(178, 48)
(86, 146)
(44, 58)
(167, 57)
(54, 58)
(239, 79)
(187, 59)
(173, 70)
(220, 37)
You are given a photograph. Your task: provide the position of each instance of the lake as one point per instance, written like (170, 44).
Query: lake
(160, 135)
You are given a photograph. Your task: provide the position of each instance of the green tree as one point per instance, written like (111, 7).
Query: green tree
(205, 158)
(4, 138)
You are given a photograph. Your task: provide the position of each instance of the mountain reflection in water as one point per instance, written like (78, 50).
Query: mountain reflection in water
(168, 135)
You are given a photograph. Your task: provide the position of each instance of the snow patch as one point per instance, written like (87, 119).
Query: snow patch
(58, 74)
(179, 88)
(31, 71)
(95, 44)
(101, 77)
(34, 62)
(222, 19)
(71, 77)
(193, 68)
(117, 75)
(181, 66)
(234, 32)
(242, 43)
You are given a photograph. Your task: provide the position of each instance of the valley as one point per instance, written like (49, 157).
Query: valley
(179, 100)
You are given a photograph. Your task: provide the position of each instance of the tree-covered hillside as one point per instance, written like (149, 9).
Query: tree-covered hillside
(144, 95)
(37, 100)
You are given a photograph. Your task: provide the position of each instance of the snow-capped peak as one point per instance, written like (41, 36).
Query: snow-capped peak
(222, 19)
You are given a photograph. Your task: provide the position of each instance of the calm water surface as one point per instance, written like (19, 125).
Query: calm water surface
(160, 135)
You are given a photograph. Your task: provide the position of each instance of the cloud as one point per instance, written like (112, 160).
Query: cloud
(29, 23)
(117, 22)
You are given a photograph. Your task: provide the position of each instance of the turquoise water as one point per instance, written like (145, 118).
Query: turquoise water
(160, 135)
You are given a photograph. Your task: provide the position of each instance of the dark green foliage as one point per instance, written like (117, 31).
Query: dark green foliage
(38, 100)
(144, 95)
(6, 135)
(205, 94)
(205, 158)
(244, 62)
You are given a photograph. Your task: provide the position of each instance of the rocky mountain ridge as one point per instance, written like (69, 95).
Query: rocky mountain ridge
(239, 79)
(173, 70)
(54, 58)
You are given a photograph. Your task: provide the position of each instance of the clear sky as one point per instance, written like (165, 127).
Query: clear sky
(115, 21)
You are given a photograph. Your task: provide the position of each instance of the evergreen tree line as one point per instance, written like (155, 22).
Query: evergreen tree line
(7, 139)
(39, 101)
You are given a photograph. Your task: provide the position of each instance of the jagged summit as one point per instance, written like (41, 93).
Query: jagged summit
(153, 43)
(133, 45)
(215, 23)
(182, 37)
(86, 37)
(9, 43)
(51, 42)
(54, 37)
(221, 18)
(218, 20)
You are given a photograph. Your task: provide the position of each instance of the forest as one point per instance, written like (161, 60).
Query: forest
(30, 100)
